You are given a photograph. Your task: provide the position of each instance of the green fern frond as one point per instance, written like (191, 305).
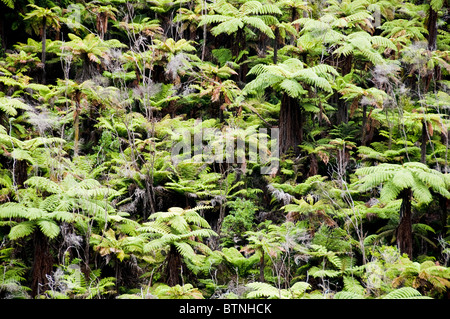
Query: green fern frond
(34, 143)
(352, 285)
(12, 210)
(63, 216)
(263, 9)
(229, 27)
(312, 24)
(200, 233)
(179, 224)
(347, 295)
(9, 3)
(48, 227)
(155, 245)
(43, 184)
(50, 203)
(405, 293)
(265, 290)
(23, 155)
(155, 227)
(421, 192)
(21, 230)
(376, 179)
(335, 260)
(319, 273)
(11, 82)
(33, 213)
(185, 250)
(389, 192)
(259, 24)
(299, 288)
(292, 88)
(10, 105)
(436, 4)
(383, 42)
(403, 179)
(262, 289)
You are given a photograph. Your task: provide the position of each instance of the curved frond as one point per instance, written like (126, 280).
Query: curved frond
(185, 250)
(48, 227)
(260, 25)
(43, 184)
(405, 293)
(21, 230)
(292, 88)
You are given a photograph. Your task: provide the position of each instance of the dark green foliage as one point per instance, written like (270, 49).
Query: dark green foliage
(239, 220)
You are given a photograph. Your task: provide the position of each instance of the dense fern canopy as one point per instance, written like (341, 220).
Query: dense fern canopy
(293, 149)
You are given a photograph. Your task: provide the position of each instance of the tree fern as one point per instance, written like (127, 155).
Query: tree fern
(288, 76)
(416, 176)
(437, 4)
(231, 19)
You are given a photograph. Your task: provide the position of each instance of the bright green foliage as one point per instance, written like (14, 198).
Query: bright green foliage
(69, 282)
(181, 229)
(260, 290)
(394, 177)
(96, 96)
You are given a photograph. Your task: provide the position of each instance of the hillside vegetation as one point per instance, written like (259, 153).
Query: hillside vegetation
(224, 149)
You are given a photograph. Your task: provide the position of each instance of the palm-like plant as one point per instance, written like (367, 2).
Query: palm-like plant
(103, 13)
(292, 79)
(238, 21)
(41, 19)
(91, 49)
(410, 181)
(214, 82)
(81, 96)
(180, 231)
(172, 58)
(21, 62)
(44, 205)
(265, 243)
(403, 32)
(231, 20)
(146, 27)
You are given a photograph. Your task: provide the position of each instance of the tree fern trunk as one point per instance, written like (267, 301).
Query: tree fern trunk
(364, 124)
(262, 265)
(173, 267)
(42, 263)
(240, 45)
(432, 28)
(423, 143)
(291, 124)
(43, 54)
(443, 204)
(404, 229)
(20, 172)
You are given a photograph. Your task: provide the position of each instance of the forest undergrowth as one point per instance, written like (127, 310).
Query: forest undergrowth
(224, 149)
